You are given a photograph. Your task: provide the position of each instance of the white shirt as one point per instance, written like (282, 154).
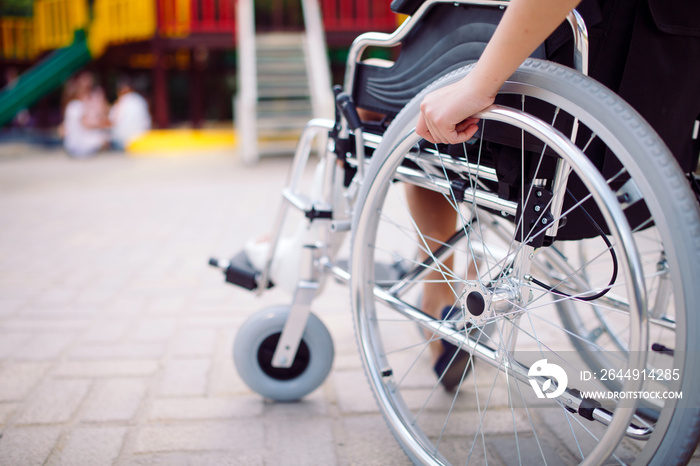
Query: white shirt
(130, 118)
(80, 141)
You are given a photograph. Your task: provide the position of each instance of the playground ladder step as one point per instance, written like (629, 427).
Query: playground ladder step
(280, 68)
(276, 77)
(279, 81)
(276, 97)
(282, 93)
(292, 107)
(292, 40)
(273, 124)
(284, 97)
(277, 147)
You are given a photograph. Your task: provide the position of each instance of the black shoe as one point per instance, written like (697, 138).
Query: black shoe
(454, 364)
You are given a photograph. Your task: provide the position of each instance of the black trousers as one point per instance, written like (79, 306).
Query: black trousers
(648, 52)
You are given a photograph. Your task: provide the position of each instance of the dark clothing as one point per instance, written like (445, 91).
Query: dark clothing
(648, 51)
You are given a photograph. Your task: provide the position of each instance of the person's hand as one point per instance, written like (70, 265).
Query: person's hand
(447, 114)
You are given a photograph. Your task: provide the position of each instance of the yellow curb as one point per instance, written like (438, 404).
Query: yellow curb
(178, 142)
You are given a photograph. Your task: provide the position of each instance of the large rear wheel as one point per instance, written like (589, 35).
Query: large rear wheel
(578, 351)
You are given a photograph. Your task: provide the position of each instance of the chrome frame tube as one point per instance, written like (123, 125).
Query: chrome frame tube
(472, 195)
(578, 26)
(294, 326)
(450, 163)
(301, 158)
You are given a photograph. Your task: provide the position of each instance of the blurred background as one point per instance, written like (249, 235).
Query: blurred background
(182, 56)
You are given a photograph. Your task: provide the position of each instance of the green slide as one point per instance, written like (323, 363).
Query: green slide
(44, 77)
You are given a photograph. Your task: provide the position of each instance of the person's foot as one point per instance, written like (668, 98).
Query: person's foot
(453, 364)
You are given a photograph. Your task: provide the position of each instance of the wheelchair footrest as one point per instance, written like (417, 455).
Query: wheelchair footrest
(239, 271)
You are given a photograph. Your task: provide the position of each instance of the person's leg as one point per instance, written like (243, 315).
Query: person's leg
(436, 219)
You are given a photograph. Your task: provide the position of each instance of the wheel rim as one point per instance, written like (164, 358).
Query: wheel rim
(267, 351)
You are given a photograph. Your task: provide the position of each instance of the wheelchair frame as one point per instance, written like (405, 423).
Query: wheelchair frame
(318, 260)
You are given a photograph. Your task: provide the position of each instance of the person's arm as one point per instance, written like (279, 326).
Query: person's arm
(446, 113)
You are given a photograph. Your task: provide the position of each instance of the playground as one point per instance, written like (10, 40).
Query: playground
(192, 59)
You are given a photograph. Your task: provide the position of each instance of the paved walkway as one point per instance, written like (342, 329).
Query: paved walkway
(116, 337)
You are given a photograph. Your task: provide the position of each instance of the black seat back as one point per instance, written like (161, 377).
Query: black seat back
(406, 7)
(448, 37)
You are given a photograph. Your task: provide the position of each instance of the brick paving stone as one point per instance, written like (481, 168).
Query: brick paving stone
(82, 279)
(89, 446)
(118, 351)
(107, 368)
(18, 379)
(43, 325)
(95, 297)
(113, 400)
(106, 331)
(224, 379)
(199, 408)
(27, 446)
(10, 343)
(55, 402)
(195, 342)
(7, 410)
(223, 320)
(198, 459)
(529, 447)
(45, 347)
(56, 296)
(153, 330)
(166, 305)
(357, 400)
(126, 306)
(234, 436)
(185, 377)
(366, 440)
(300, 442)
(314, 405)
(154, 288)
(9, 307)
(13, 290)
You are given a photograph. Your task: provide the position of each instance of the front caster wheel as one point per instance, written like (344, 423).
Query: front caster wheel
(256, 342)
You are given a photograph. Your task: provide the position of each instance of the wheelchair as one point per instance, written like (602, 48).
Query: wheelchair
(572, 265)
